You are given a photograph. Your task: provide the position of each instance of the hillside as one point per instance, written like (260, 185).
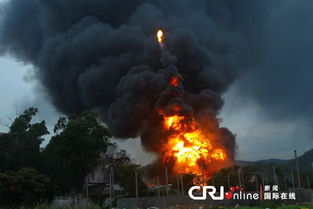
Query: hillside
(305, 163)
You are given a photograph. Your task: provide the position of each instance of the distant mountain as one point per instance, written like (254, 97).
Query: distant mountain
(305, 159)
(274, 160)
(305, 163)
(269, 161)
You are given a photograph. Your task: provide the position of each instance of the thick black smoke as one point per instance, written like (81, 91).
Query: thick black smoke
(281, 81)
(103, 56)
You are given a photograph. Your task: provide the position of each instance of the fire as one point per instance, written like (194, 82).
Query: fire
(174, 81)
(218, 154)
(174, 122)
(190, 146)
(160, 36)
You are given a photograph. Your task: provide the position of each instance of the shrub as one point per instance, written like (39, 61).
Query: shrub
(24, 187)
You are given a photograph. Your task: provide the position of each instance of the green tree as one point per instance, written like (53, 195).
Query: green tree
(75, 150)
(125, 176)
(20, 147)
(24, 187)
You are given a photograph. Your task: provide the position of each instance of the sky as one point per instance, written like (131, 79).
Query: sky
(257, 137)
(268, 107)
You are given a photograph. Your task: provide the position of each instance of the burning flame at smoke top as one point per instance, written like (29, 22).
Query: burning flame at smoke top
(160, 36)
(190, 146)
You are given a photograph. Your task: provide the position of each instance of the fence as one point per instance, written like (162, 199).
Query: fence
(77, 202)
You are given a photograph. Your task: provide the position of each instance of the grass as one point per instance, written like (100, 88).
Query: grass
(260, 207)
(246, 208)
(280, 207)
(296, 207)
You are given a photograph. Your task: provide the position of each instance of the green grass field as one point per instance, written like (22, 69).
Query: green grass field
(280, 207)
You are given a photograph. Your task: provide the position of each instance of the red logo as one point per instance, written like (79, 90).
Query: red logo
(229, 195)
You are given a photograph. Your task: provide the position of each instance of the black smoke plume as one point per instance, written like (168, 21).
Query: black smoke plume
(102, 55)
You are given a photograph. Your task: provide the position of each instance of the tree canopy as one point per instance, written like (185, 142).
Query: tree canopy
(126, 178)
(75, 150)
(29, 173)
(20, 147)
(24, 187)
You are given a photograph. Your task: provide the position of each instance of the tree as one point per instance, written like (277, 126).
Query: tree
(125, 177)
(112, 158)
(20, 147)
(75, 150)
(24, 187)
(109, 163)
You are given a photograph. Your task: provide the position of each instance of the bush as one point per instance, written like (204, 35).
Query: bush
(94, 207)
(43, 206)
(24, 187)
(269, 204)
(295, 207)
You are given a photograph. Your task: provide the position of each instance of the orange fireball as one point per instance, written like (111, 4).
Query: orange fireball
(190, 147)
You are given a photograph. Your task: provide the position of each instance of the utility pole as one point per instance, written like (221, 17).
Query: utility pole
(266, 179)
(182, 184)
(158, 183)
(292, 179)
(262, 179)
(228, 180)
(274, 175)
(166, 181)
(256, 182)
(297, 169)
(177, 185)
(87, 193)
(136, 183)
(239, 178)
(112, 171)
(243, 179)
(308, 179)
(202, 169)
(110, 176)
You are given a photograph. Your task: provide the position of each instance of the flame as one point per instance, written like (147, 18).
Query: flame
(174, 81)
(190, 146)
(160, 36)
(218, 154)
(174, 122)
